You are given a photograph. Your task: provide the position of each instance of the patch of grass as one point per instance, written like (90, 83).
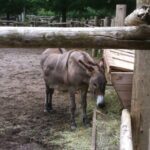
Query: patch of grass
(107, 128)
(108, 125)
(60, 137)
(76, 140)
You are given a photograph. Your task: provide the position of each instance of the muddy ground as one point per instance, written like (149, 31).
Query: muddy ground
(23, 123)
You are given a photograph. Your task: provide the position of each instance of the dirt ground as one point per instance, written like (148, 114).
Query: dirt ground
(23, 123)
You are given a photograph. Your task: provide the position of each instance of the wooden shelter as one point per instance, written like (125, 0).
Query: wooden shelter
(120, 65)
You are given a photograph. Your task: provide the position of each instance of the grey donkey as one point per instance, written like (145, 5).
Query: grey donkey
(73, 70)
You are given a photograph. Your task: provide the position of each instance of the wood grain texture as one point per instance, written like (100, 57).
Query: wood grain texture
(93, 146)
(122, 77)
(140, 107)
(120, 15)
(141, 100)
(126, 142)
(122, 82)
(119, 60)
(94, 37)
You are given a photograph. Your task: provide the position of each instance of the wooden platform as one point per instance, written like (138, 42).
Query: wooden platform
(120, 65)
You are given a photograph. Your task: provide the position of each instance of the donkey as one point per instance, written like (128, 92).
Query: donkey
(73, 70)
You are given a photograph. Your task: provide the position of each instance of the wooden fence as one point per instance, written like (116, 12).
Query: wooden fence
(52, 22)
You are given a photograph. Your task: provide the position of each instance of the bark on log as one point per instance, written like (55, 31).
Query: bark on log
(125, 131)
(104, 37)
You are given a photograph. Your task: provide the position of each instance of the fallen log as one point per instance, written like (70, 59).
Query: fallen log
(95, 37)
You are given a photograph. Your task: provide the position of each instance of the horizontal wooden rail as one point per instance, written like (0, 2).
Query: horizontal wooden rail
(126, 142)
(93, 37)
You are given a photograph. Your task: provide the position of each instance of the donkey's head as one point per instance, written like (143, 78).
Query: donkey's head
(97, 83)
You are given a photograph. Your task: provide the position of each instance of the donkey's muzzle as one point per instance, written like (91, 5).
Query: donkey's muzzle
(100, 101)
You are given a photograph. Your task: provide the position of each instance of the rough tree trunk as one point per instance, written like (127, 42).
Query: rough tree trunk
(140, 108)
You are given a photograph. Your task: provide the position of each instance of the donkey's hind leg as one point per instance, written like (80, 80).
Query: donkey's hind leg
(48, 98)
(72, 108)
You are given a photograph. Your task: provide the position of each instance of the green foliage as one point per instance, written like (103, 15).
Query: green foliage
(101, 13)
(64, 8)
(108, 7)
(34, 6)
(12, 6)
(43, 12)
(88, 8)
(15, 7)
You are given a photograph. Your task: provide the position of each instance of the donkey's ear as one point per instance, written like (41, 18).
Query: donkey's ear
(86, 66)
(101, 64)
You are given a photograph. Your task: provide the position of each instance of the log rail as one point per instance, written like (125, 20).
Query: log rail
(126, 142)
(93, 37)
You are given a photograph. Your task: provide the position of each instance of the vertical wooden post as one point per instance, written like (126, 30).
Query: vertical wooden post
(23, 15)
(140, 105)
(120, 15)
(96, 19)
(94, 52)
(112, 22)
(107, 22)
(125, 131)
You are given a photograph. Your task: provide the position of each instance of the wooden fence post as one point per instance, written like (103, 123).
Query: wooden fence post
(112, 22)
(140, 105)
(107, 22)
(125, 131)
(120, 15)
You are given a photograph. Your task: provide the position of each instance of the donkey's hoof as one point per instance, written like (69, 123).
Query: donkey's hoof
(49, 110)
(87, 124)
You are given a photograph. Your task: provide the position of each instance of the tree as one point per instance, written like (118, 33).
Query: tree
(11, 7)
(15, 7)
(33, 6)
(60, 7)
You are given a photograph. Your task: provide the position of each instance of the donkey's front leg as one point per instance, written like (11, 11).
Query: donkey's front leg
(48, 99)
(72, 109)
(84, 105)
